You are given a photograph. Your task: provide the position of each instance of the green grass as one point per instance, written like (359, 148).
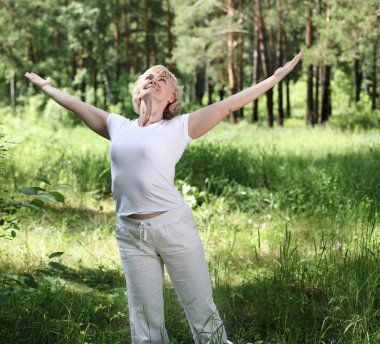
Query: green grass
(288, 217)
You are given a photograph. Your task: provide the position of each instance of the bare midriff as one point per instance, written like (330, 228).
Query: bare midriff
(146, 216)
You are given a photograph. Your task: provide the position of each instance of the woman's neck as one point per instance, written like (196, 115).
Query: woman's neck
(151, 111)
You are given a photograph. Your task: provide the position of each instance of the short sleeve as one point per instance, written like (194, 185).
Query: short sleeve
(116, 123)
(184, 126)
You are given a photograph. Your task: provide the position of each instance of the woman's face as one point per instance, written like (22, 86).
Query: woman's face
(155, 84)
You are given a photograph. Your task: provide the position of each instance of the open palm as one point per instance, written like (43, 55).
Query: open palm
(288, 66)
(37, 80)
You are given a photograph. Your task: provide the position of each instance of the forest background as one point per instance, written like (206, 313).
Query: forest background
(285, 191)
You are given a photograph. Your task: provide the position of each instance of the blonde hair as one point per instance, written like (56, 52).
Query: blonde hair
(172, 109)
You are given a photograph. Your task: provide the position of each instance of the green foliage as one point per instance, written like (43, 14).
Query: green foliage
(360, 120)
(288, 217)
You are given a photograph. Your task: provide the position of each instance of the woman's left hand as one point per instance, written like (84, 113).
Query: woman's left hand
(283, 71)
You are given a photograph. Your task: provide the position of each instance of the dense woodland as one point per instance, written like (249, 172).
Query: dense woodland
(215, 47)
(289, 216)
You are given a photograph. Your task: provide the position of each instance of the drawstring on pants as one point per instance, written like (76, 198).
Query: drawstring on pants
(142, 231)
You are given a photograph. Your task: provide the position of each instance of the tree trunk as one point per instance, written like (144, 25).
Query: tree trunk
(116, 39)
(310, 116)
(374, 77)
(170, 37)
(265, 63)
(317, 70)
(279, 58)
(31, 56)
(107, 90)
(255, 69)
(126, 35)
(326, 107)
(241, 52)
(199, 84)
(221, 93)
(270, 57)
(83, 83)
(13, 92)
(95, 84)
(288, 106)
(210, 91)
(326, 91)
(316, 106)
(73, 65)
(154, 50)
(358, 79)
(148, 35)
(232, 67)
(287, 78)
(208, 85)
(56, 39)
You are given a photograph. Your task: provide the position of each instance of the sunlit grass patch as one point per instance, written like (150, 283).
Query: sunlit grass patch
(288, 218)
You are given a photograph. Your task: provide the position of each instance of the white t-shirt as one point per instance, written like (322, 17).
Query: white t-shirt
(143, 163)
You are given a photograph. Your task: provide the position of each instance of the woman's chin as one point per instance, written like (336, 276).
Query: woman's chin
(150, 94)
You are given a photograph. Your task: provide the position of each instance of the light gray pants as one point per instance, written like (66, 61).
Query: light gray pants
(145, 246)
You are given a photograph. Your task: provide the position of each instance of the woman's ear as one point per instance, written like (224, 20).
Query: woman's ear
(171, 99)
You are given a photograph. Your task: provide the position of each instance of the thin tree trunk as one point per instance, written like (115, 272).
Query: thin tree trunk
(199, 84)
(207, 90)
(126, 35)
(279, 57)
(316, 106)
(154, 50)
(255, 68)
(210, 91)
(170, 37)
(221, 93)
(288, 106)
(264, 61)
(107, 90)
(317, 70)
(270, 57)
(358, 79)
(310, 116)
(326, 92)
(13, 92)
(326, 107)
(374, 72)
(101, 55)
(232, 68)
(241, 51)
(116, 39)
(83, 83)
(95, 84)
(73, 65)
(56, 39)
(287, 78)
(148, 42)
(31, 56)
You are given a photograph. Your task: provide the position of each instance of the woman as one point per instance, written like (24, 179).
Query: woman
(154, 225)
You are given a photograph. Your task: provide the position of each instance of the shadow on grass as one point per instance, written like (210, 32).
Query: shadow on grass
(298, 302)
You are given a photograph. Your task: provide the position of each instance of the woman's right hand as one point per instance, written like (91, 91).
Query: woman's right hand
(37, 80)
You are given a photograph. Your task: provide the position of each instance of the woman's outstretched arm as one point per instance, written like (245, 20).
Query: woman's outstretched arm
(203, 120)
(96, 119)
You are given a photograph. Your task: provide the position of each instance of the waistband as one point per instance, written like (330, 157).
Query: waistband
(164, 218)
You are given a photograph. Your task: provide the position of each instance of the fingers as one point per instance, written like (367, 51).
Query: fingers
(288, 66)
(295, 60)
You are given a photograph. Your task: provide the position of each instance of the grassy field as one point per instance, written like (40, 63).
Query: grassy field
(288, 217)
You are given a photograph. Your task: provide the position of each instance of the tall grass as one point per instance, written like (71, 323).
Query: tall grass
(288, 218)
